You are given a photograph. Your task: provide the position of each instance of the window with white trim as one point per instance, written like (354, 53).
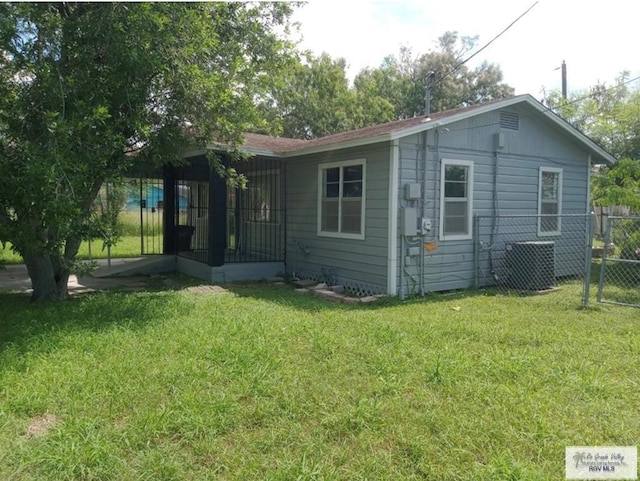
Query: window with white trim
(549, 201)
(341, 199)
(456, 199)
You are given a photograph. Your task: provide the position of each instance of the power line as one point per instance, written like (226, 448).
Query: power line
(460, 64)
(593, 94)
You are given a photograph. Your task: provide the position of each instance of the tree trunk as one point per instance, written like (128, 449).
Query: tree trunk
(47, 282)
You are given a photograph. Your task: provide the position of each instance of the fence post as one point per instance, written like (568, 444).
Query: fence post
(591, 220)
(603, 268)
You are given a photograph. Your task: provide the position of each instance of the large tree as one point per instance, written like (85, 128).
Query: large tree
(89, 89)
(313, 99)
(402, 79)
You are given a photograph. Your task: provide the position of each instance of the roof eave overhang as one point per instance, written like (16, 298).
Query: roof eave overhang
(338, 145)
(431, 124)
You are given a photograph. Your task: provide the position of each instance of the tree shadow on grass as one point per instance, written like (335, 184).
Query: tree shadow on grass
(25, 324)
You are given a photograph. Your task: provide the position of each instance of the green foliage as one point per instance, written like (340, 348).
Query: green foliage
(89, 90)
(625, 235)
(618, 184)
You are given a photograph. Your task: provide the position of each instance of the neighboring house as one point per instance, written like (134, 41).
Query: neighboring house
(350, 208)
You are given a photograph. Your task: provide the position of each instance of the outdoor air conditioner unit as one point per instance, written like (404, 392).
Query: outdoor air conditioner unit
(531, 265)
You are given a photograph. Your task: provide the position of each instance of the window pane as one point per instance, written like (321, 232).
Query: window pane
(353, 172)
(352, 189)
(549, 208)
(332, 190)
(330, 215)
(351, 216)
(549, 224)
(332, 175)
(455, 190)
(455, 184)
(550, 185)
(455, 173)
(455, 218)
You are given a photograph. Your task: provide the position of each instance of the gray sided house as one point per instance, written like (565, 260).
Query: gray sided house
(384, 209)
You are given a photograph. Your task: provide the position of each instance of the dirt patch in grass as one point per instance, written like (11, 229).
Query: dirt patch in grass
(205, 289)
(41, 425)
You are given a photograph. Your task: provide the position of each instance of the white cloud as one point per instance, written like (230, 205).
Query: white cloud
(596, 39)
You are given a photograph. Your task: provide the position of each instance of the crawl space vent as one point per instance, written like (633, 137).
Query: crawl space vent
(509, 120)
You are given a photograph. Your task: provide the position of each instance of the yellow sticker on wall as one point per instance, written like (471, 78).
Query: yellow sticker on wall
(431, 246)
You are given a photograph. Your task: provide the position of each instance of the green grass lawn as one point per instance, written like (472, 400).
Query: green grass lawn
(261, 383)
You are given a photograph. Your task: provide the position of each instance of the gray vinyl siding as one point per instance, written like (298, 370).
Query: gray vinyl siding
(353, 262)
(538, 143)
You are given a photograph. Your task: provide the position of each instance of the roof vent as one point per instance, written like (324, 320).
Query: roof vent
(509, 120)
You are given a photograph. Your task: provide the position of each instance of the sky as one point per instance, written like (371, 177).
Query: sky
(596, 39)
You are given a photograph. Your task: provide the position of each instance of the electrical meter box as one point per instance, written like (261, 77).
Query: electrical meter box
(409, 222)
(412, 191)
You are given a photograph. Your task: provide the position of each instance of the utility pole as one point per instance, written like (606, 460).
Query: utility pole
(427, 95)
(564, 80)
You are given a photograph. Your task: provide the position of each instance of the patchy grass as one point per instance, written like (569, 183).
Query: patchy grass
(262, 383)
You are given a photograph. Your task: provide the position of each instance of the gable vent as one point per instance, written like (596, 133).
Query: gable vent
(509, 120)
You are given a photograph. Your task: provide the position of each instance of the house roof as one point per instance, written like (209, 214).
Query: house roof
(283, 147)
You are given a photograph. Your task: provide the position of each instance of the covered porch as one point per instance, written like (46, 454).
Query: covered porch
(221, 233)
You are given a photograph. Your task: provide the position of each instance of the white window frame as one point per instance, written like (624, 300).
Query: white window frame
(341, 164)
(469, 199)
(553, 170)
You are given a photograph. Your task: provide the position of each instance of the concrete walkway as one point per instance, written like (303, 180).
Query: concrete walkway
(15, 279)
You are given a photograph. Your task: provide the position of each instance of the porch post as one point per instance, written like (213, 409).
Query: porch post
(217, 219)
(169, 210)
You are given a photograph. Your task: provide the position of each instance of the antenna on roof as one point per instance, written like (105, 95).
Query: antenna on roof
(427, 95)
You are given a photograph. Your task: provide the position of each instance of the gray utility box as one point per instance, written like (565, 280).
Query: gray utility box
(531, 265)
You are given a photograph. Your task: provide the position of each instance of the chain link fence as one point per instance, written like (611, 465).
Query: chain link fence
(521, 254)
(619, 281)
